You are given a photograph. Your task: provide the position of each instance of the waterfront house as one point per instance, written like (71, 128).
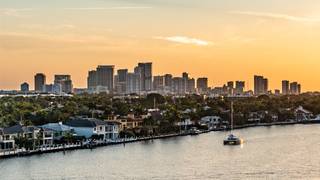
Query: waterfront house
(212, 122)
(302, 114)
(29, 133)
(5, 144)
(130, 122)
(257, 117)
(58, 130)
(94, 128)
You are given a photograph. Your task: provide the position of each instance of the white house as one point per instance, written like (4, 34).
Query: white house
(90, 127)
(302, 114)
(211, 121)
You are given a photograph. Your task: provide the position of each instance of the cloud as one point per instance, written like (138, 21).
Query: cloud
(186, 40)
(14, 12)
(276, 16)
(109, 8)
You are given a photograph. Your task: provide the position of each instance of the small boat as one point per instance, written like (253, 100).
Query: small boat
(194, 131)
(232, 139)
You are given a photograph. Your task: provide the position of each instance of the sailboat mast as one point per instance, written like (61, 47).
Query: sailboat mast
(231, 116)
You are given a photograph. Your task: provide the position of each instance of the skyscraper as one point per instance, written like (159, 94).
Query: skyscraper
(39, 82)
(158, 83)
(185, 77)
(133, 83)
(121, 81)
(202, 85)
(65, 82)
(168, 82)
(261, 85)
(92, 81)
(240, 86)
(285, 87)
(145, 71)
(24, 87)
(295, 88)
(105, 77)
(191, 85)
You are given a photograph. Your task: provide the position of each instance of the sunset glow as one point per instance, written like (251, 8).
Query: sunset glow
(221, 39)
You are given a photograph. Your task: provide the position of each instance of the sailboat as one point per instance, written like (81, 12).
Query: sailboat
(232, 139)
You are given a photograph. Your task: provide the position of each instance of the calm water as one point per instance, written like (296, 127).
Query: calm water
(288, 152)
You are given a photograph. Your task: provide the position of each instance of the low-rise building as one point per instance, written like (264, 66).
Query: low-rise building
(91, 127)
(302, 114)
(211, 121)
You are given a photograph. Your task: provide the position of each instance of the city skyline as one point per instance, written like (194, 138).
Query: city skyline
(221, 40)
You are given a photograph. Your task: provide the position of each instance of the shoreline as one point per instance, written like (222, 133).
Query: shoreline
(78, 146)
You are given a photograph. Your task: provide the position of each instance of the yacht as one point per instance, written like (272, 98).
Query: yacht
(232, 139)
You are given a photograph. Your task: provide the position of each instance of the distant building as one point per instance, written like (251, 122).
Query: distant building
(277, 92)
(158, 83)
(133, 83)
(168, 82)
(145, 72)
(105, 77)
(39, 82)
(261, 85)
(191, 85)
(295, 88)
(240, 86)
(121, 81)
(202, 85)
(24, 87)
(178, 85)
(65, 82)
(285, 87)
(92, 81)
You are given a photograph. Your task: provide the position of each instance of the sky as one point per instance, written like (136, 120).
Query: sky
(220, 39)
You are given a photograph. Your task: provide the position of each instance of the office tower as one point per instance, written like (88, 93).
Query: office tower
(178, 85)
(185, 77)
(121, 81)
(191, 85)
(285, 87)
(240, 86)
(105, 77)
(230, 86)
(158, 83)
(168, 82)
(65, 82)
(92, 80)
(39, 82)
(145, 72)
(24, 87)
(299, 88)
(202, 85)
(133, 83)
(261, 85)
(295, 88)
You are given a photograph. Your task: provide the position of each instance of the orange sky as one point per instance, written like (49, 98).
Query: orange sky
(221, 40)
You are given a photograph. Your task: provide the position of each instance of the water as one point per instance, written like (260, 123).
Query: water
(286, 152)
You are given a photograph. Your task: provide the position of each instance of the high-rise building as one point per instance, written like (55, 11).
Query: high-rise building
(191, 85)
(185, 77)
(145, 71)
(24, 87)
(105, 77)
(202, 85)
(261, 85)
(92, 81)
(178, 85)
(240, 86)
(230, 86)
(295, 88)
(39, 82)
(168, 82)
(133, 83)
(65, 82)
(121, 81)
(285, 87)
(158, 83)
